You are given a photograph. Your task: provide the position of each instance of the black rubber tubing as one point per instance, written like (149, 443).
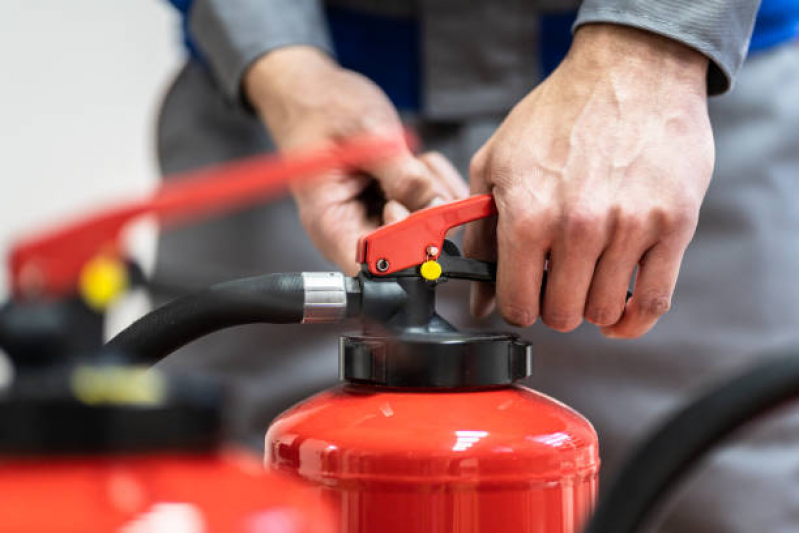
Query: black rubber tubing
(272, 298)
(689, 435)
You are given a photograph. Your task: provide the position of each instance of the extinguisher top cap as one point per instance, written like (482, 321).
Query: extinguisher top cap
(435, 360)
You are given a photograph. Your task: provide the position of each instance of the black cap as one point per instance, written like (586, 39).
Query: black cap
(435, 360)
(42, 414)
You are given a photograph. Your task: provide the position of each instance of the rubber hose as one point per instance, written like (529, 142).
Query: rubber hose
(272, 298)
(689, 435)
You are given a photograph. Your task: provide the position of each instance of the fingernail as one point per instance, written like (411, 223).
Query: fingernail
(438, 200)
(394, 212)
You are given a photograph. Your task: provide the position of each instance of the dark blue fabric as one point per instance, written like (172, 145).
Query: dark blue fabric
(555, 33)
(385, 49)
(184, 6)
(777, 22)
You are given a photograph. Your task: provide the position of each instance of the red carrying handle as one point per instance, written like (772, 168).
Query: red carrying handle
(50, 263)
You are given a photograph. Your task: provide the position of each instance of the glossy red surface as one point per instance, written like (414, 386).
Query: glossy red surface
(154, 494)
(506, 459)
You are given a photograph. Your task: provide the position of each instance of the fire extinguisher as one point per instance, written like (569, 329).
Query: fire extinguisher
(90, 441)
(96, 444)
(429, 430)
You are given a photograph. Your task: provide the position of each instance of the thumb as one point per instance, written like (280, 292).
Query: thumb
(410, 182)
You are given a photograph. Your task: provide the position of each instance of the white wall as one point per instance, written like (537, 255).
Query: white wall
(80, 84)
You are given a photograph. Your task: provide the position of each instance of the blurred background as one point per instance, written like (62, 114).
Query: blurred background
(79, 130)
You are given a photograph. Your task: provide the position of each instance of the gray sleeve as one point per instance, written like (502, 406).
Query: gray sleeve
(719, 29)
(231, 34)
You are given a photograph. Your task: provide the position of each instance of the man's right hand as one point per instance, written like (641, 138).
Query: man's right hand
(306, 99)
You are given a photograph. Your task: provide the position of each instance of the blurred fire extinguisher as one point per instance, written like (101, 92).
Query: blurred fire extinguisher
(108, 447)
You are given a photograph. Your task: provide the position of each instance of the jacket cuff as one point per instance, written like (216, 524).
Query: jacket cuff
(232, 34)
(718, 29)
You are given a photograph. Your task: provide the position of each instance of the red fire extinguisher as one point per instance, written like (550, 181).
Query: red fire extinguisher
(423, 448)
(110, 448)
(430, 430)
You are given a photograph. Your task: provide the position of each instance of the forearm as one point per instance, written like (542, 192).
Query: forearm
(284, 85)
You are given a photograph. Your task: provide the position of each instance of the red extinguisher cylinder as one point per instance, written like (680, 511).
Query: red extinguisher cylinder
(472, 459)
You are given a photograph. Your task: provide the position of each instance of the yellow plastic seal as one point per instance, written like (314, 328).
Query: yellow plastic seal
(102, 280)
(430, 270)
(117, 385)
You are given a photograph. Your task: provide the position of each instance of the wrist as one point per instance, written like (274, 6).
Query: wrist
(600, 48)
(276, 74)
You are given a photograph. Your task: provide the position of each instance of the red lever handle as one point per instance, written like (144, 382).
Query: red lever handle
(419, 237)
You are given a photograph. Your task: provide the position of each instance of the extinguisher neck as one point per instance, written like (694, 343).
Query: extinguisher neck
(401, 305)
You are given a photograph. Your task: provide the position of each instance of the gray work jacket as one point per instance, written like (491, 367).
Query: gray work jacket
(478, 55)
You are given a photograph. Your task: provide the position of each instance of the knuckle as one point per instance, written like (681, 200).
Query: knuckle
(502, 168)
(477, 164)
(679, 223)
(501, 174)
(581, 225)
(524, 227)
(631, 223)
(411, 185)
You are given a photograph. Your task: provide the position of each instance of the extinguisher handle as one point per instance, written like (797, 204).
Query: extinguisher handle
(420, 237)
(416, 246)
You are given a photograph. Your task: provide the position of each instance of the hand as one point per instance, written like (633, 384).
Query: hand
(602, 168)
(305, 99)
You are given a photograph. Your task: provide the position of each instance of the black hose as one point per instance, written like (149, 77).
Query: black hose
(273, 298)
(668, 453)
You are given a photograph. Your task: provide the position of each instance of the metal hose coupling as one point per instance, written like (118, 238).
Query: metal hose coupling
(325, 297)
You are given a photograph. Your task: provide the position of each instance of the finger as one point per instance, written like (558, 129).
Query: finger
(522, 246)
(338, 233)
(394, 212)
(654, 286)
(572, 261)
(450, 180)
(480, 242)
(608, 293)
(482, 300)
(334, 218)
(409, 181)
